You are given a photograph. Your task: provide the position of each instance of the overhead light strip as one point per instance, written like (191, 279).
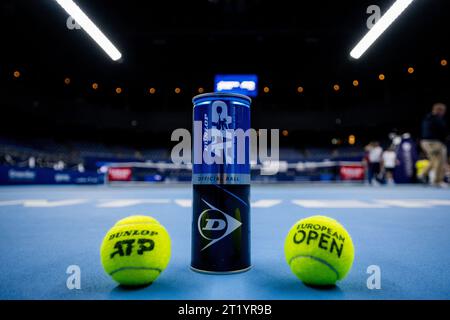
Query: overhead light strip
(91, 29)
(377, 30)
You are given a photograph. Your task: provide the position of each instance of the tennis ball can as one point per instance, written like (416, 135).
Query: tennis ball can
(221, 183)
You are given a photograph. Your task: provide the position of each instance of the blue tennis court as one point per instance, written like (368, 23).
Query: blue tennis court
(403, 230)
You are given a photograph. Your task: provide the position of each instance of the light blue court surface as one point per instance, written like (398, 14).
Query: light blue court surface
(403, 230)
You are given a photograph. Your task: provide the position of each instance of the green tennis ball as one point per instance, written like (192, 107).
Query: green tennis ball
(136, 220)
(319, 250)
(135, 250)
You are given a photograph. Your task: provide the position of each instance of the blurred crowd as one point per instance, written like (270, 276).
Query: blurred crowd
(381, 159)
(17, 157)
(432, 163)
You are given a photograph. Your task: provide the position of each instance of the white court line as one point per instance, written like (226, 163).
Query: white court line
(185, 203)
(265, 203)
(42, 203)
(337, 204)
(120, 203)
(262, 203)
(12, 202)
(439, 202)
(406, 203)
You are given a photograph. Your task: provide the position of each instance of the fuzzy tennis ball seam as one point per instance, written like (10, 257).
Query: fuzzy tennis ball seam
(324, 262)
(134, 268)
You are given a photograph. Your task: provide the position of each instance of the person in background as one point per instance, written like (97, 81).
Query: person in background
(388, 163)
(9, 160)
(421, 165)
(60, 165)
(434, 134)
(374, 152)
(31, 162)
(80, 167)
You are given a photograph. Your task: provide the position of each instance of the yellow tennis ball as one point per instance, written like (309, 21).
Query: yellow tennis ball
(135, 250)
(136, 220)
(319, 250)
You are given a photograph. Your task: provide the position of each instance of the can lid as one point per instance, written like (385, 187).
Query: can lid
(220, 95)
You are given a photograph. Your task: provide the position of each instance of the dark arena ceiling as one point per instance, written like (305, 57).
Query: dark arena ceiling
(184, 44)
